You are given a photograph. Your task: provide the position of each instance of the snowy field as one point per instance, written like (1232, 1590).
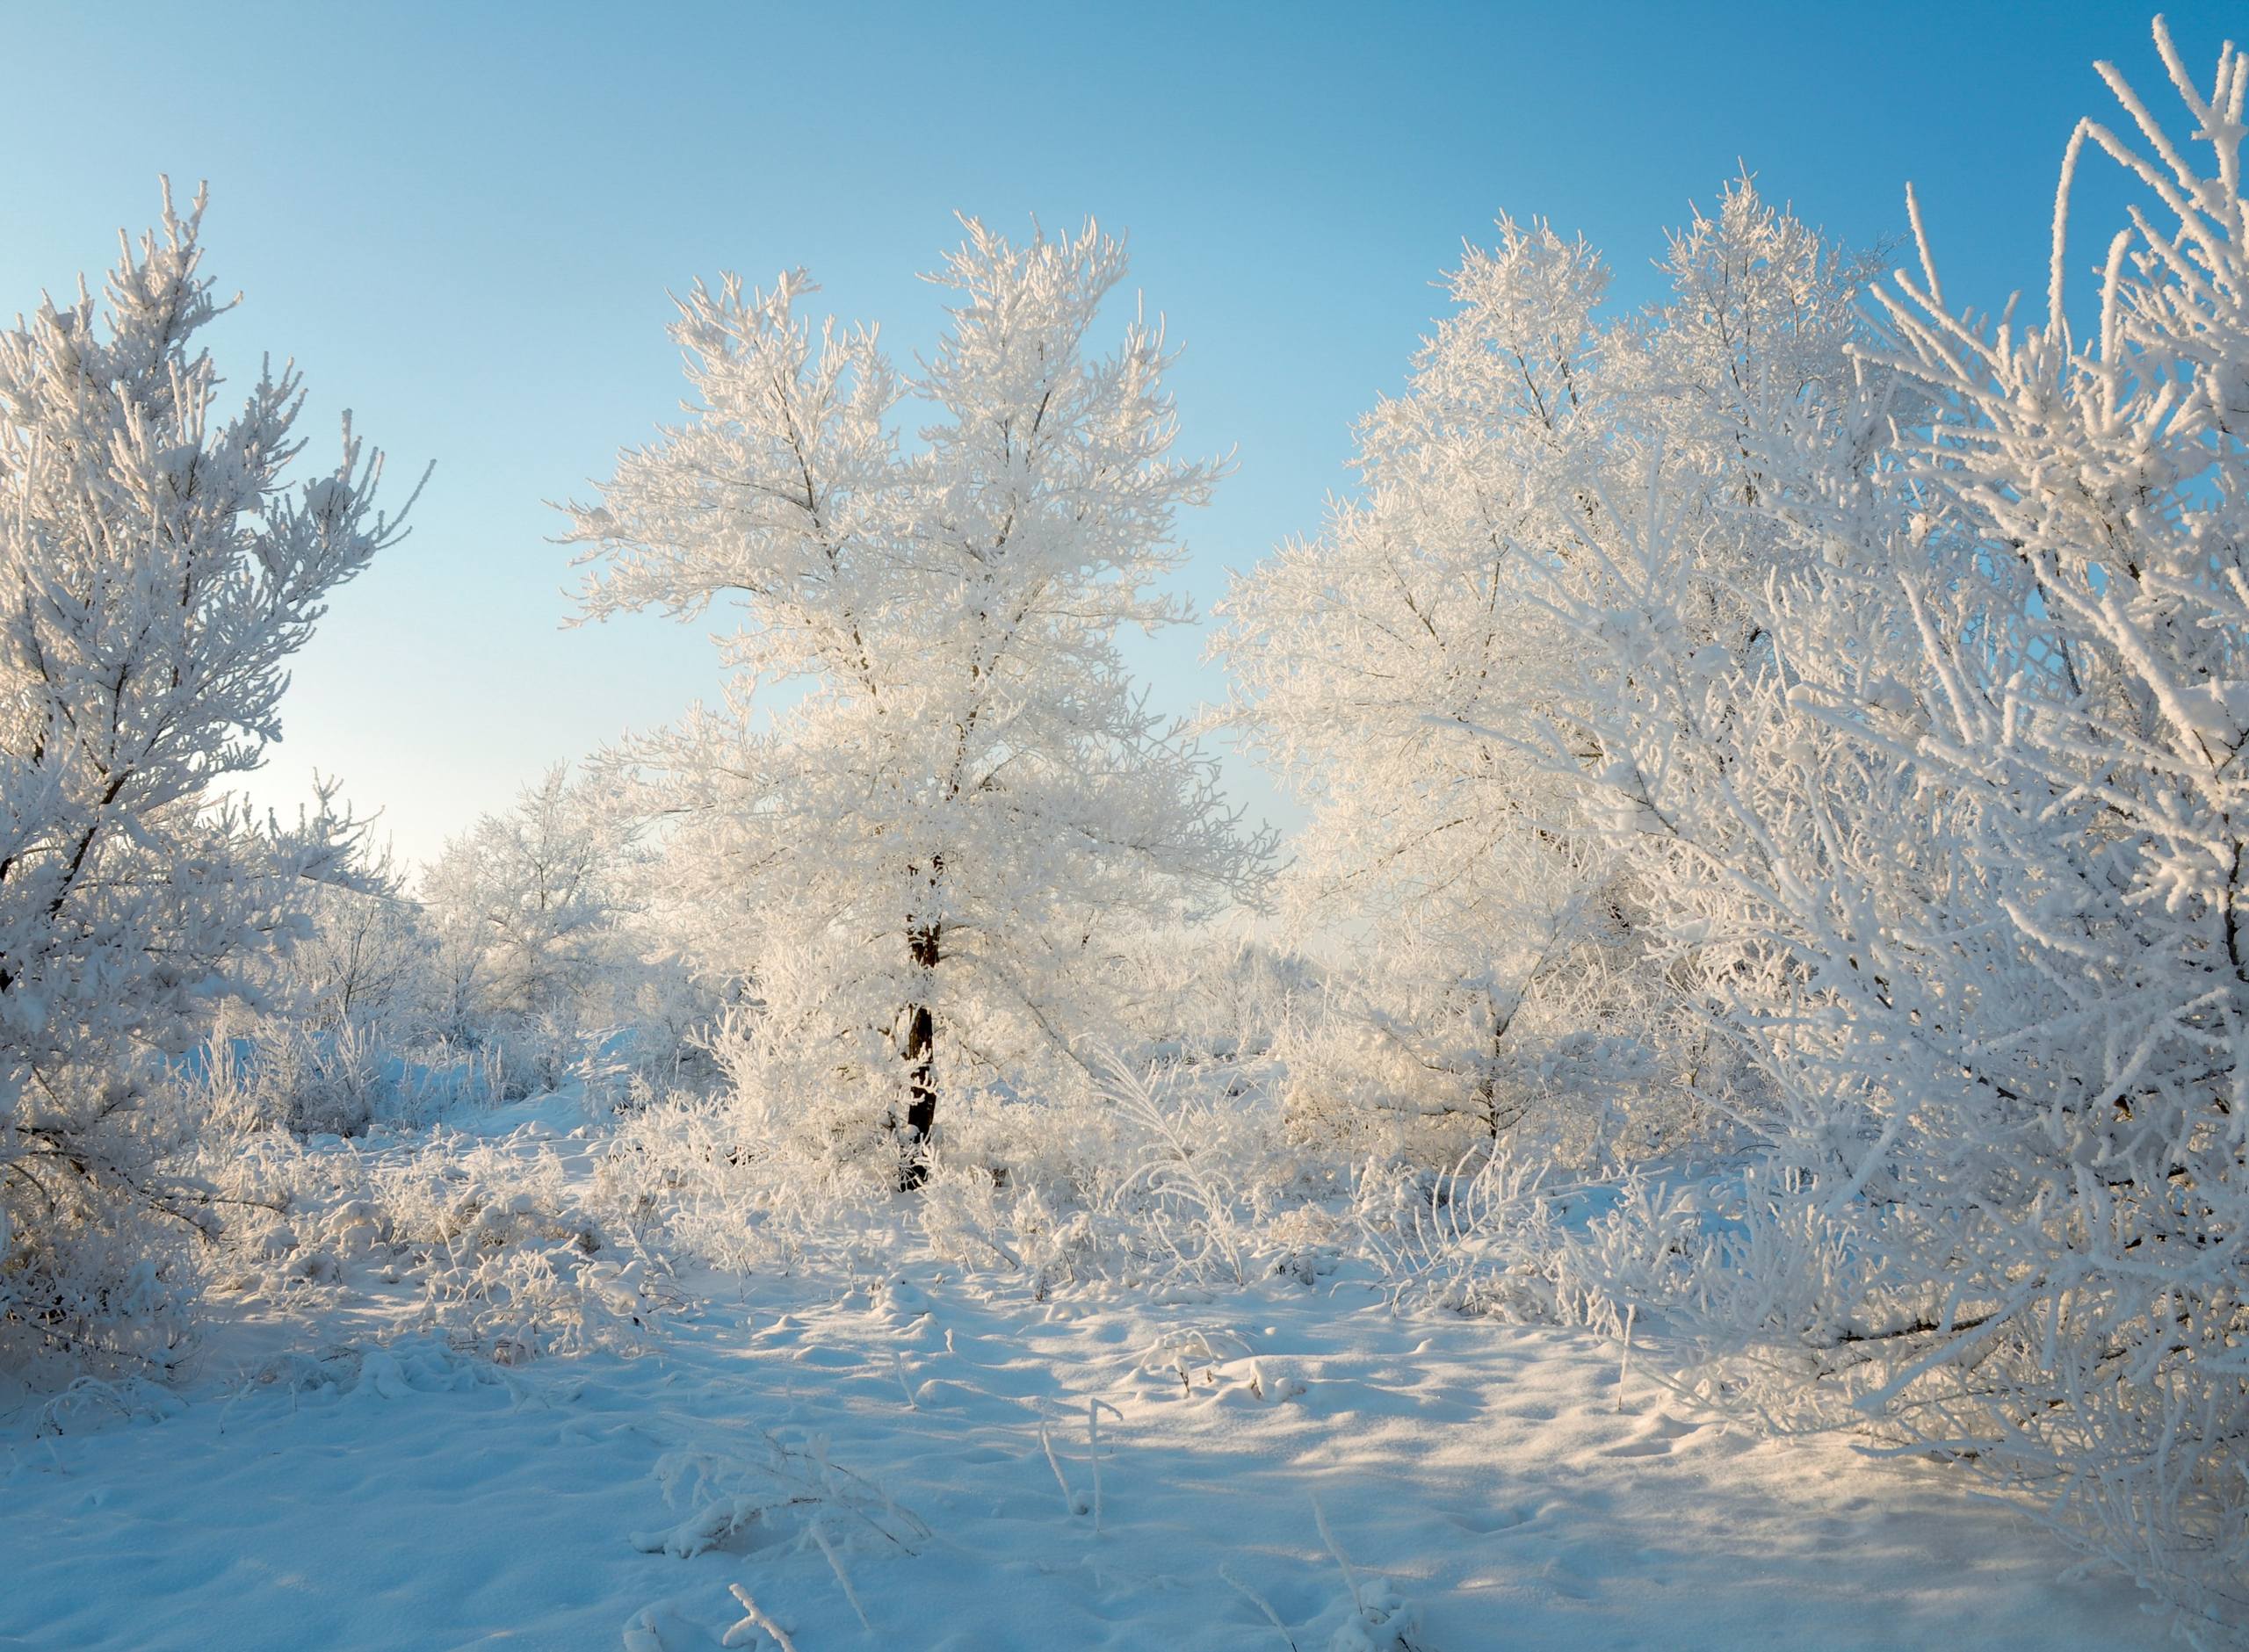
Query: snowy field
(897, 1445)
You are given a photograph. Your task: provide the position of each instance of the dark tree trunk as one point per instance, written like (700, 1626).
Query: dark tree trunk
(921, 1053)
(1487, 1084)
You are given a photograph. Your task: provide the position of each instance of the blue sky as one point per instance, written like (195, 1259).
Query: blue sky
(462, 221)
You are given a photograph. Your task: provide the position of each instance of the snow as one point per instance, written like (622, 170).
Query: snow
(794, 1452)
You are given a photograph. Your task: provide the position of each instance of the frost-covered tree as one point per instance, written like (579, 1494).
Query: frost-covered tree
(1401, 670)
(558, 940)
(1961, 852)
(155, 573)
(1366, 659)
(926, 852)
(526, 903)
(368, 960)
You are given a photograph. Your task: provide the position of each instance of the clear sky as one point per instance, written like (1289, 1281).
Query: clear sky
(462, 220)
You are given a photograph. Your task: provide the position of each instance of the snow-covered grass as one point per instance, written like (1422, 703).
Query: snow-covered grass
(900, 1441)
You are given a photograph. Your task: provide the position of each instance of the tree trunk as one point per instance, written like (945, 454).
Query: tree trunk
(921, 1053)
(1487, 1083)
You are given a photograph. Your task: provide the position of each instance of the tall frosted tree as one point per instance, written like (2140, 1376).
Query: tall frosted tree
(155, 573)
(1403, 671)
(932, 794)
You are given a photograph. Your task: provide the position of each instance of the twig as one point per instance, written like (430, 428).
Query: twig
(752, 1615)
(1350, 1578)
(1624, 1366)
(1069, 1497)
(835, 1565)
(1258, 1601)
(1093, 1407)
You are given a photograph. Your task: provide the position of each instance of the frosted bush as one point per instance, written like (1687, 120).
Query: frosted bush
(777, 1493)
(508, 1256)
(274, 1072)
(97, 1282)
(1157, 1178)
(492, 1246)
(1388, 1067)
(1198, 993)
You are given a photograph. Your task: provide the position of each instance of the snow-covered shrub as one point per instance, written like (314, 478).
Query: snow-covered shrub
(331, 1082)
(1197, 993)
(691, 1169)
(502, 1250)
(512, 1262)
(664, 1014)
(1162, 1178)
(271, 1072)
(1381, 1064)
(1147, 1177)
(155, 576)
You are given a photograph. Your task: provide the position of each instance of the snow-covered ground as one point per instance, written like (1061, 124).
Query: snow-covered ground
(969, 1468)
